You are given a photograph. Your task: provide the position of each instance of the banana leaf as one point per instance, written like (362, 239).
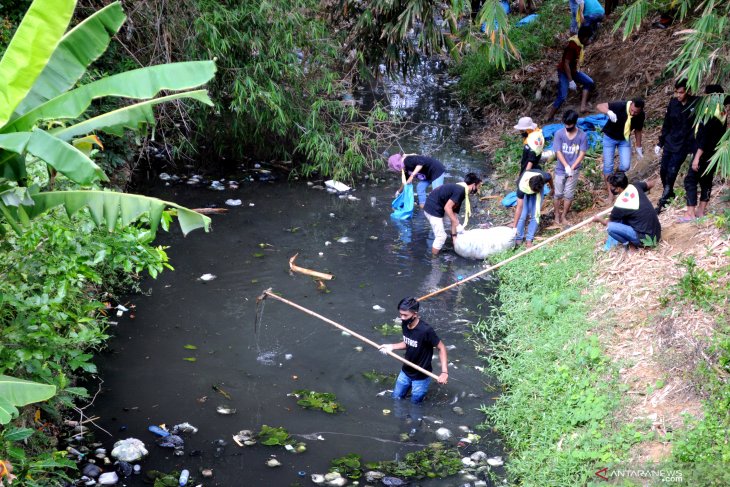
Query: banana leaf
(34, 41)
(81, 46)
(17, 392)
(107, 208)
(63, 157)
(144, 83)
(133, 117)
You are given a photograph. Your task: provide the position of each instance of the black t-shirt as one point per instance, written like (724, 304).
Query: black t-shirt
(615, 130)
(420, 343)
(643, 220)
(677, 131)
(528, 155)
(432, 168)
(438, 198)
(708, 136)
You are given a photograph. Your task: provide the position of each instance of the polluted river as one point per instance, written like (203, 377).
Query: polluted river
(192, 346)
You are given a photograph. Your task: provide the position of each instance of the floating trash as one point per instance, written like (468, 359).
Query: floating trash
(443, 433)
(129, 450)
(288, 356)
(164, 176)
(183, 428)
(392, 481)
(206, 473)
(245, 438)
(378, 308)
(386, 412)
(345, 240)
(337, 186)
(318, 478)
(225, 410)
(108, 478)
(232, 202)
(171, 441)
(207, 277)
(273, 462)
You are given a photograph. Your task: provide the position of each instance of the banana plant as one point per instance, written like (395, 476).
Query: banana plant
(42, 114)
(18, 392)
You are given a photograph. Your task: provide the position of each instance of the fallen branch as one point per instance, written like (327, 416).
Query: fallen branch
(301, 270)
(210, 211)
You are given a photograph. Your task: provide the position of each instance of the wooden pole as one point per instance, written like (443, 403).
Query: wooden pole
(514, 257)
(356, 335)
(318, 275)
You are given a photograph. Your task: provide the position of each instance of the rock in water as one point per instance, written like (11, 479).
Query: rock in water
(480, 243)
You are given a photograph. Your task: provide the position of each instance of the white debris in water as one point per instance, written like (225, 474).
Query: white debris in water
(266, 358)
(318, 478)
(289, 447)
(337, 186)
(207, 277)
(164, 176)
(352, 198)
(321, 254)
(273, 462)
(121, 308)
(443, 433)
(251, 204)
(386, 391)
(478, 456)
(358, 348)
(468, 462)
(464, 428)
(495, 461)
(232, 202)
(288, 356)
(332, 215)
(378, 308)
(345, 334)
(327, 243)
(345, 240)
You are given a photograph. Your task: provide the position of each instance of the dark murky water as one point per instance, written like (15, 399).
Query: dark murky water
(147, 380)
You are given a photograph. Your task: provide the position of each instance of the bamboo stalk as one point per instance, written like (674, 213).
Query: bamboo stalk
(268, 293)
(301, 270)
(514, 257)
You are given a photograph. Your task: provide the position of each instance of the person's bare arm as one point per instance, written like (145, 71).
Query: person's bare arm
(416, 170)
(449, 209)
(444, 376)
(561, 158)
(578, 159)
(602, 107)
(637, 134)
(696, 160)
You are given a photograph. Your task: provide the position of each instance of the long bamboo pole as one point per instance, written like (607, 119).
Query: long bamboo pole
(514, 257)
(268, 293)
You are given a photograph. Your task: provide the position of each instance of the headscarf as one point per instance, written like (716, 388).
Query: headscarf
(467, 213)
(395, 162)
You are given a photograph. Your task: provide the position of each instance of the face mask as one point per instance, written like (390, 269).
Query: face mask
(571, 129)
(408, 321)
(473, 191)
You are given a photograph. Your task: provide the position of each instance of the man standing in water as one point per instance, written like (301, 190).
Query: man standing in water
(419, 340)
(446, 200)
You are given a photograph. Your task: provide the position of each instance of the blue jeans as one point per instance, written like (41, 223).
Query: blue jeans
(563, 82)
(423, 185)
(624, 154)
(592, 21)
(418, 388)
(573, 12)
(529, 206)
(623, 234)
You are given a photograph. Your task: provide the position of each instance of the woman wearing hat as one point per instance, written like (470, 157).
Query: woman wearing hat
(534, 142)
(427, 170)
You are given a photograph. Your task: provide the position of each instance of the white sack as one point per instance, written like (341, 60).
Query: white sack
(480, 243)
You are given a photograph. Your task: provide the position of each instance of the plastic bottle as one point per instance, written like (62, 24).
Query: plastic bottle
(184, 476)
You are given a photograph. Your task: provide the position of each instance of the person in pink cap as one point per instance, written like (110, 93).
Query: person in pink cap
(426, 170)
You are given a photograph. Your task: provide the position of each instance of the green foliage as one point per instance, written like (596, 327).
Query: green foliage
(347, 466)
(389, 329)
(695, 286)
(483, 81)
(378, 377)
(50, 316)
(324, 401)
(274, 436)
(431, 462)
(559, 388)
(40, 68)
(18, 392)
(279, 92)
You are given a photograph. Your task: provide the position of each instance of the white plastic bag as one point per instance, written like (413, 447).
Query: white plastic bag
(480, 243)
(129, 450)
(337, 186)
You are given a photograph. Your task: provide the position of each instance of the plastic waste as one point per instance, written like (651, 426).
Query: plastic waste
(158, 431)
(443, 434)
(273, 462)
(345, 240)
(164, 176)
(108, 478)
(403, 204)
(124, 468)
(183, 428)
(377, 307)
(225, 410)
(184, 476)
(480, 243)
(171, 441)
(528, 20)
(495, 461)
(129, 450)
(91, 470)
(392, 481)
(337, 186)
(207, 277)
(232, 202)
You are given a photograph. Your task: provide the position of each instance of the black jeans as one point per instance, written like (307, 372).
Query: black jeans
(705, 180)
(668, 171)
